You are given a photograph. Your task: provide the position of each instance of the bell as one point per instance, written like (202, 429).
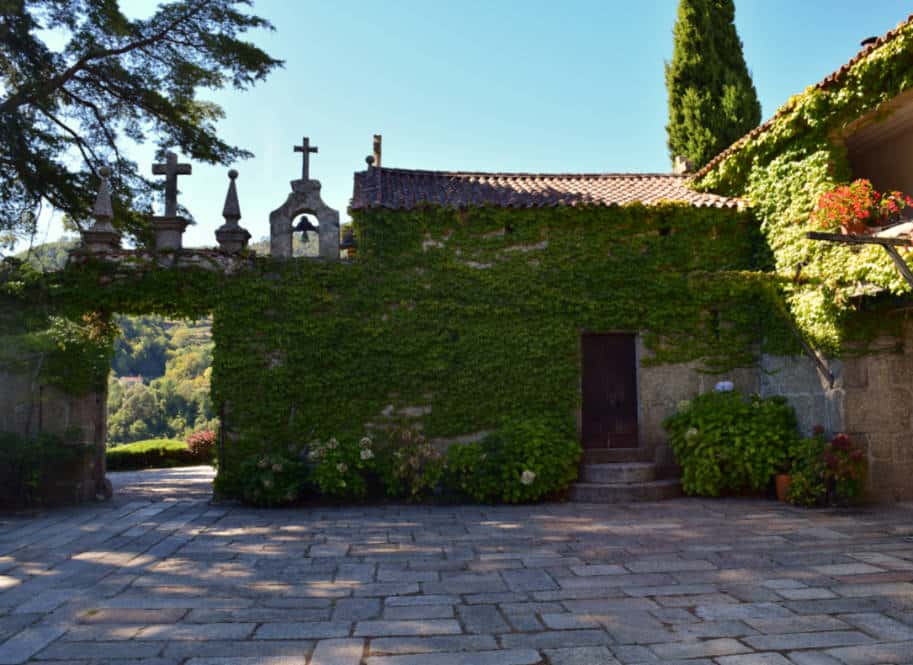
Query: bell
(304, 226)
(348, 240)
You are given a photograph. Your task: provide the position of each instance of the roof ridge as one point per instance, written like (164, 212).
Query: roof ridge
(517, 174)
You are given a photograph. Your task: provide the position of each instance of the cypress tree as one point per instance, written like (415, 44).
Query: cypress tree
(712, 100)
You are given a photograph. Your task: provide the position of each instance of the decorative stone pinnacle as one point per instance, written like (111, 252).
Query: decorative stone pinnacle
(103, 211)
(171, 170)
(102, 237)
(231, 211)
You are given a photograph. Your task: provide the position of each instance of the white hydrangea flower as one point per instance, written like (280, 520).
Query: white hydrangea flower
(365, 442)
(332, 443)
(691, 433)
(527, 477)
(367, 454)
(342, 467)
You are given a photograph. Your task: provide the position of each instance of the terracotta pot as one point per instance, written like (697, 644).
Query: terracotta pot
(783, 481)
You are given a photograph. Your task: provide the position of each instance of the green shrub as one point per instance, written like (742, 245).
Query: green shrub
(524, 460)
(150, 454)
(202, 445)
(726, 442)
(827, 470)
(272, 480)
(408, 465)
(29, 465)
(341, 468)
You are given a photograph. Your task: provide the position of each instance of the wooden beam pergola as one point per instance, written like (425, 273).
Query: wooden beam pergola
(889, 242)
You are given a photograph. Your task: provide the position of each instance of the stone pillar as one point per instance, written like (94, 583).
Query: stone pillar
(280, 234)
(169, 232)
(328, 235)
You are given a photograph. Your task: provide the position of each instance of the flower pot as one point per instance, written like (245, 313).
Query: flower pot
(853, 228)
(783, 481)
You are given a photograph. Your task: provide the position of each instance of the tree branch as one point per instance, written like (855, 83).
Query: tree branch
(80, 143)
(21, 97)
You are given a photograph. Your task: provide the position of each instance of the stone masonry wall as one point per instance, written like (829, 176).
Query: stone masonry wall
(28, 409)
(878, 411)
(870, 400)
(660, 389)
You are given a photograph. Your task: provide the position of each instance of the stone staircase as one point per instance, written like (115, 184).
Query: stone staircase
(620, 476)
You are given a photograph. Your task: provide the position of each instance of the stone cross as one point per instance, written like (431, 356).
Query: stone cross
(305, 148)
(171, 170)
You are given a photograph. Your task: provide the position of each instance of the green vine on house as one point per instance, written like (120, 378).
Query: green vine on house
(784, 166)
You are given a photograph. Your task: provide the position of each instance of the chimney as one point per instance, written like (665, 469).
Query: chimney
(682, 165)
(377, 141)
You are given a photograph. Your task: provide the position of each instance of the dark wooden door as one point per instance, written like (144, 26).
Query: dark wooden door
(609, 391)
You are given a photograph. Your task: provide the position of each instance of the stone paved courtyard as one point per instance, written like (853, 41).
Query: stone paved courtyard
(158, 576)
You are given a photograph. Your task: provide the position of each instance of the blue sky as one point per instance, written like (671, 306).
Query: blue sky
(505, 85)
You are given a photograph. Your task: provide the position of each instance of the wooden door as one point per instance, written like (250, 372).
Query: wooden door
(609, 391)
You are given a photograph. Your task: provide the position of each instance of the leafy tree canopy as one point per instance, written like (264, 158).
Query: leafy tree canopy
(712, 100)
(79, 77)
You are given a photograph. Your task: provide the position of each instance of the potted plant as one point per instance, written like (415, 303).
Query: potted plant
(858, 208)
(784, 477)
(807, 486)
(844, 469)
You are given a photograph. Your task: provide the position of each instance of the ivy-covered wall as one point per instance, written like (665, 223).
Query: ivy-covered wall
(782, 171)
(456, 318)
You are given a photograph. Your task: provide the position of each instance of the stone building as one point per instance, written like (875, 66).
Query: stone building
(600, 299)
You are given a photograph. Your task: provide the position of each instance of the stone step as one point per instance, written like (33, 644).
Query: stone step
(610, 455)
(625, 492)
(620, 472)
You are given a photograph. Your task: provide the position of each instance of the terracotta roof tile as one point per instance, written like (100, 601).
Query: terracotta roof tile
(826, 82)
(402, 189)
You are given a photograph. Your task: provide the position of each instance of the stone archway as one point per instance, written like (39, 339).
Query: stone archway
(304, 199)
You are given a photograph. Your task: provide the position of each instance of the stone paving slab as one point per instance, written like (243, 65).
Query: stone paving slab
(159, 576)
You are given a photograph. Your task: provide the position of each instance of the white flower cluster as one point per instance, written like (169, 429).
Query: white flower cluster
(527, 477)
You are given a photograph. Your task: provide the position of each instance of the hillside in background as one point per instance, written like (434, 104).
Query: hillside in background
(159, 382)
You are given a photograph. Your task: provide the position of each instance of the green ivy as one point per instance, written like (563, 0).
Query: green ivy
(783, 170)
(472, 315)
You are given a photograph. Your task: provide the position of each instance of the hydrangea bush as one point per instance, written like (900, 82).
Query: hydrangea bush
(341, 468)
(726, 442)
(524, 460)
(409, 465)
(273, 480)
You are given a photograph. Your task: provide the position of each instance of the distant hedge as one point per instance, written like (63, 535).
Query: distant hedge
(152, 454)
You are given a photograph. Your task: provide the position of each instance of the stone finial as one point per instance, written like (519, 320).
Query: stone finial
(230, 236)
(102, 236)
(231, 211)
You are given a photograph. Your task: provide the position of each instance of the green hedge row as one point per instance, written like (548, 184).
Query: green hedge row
(153, 454)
